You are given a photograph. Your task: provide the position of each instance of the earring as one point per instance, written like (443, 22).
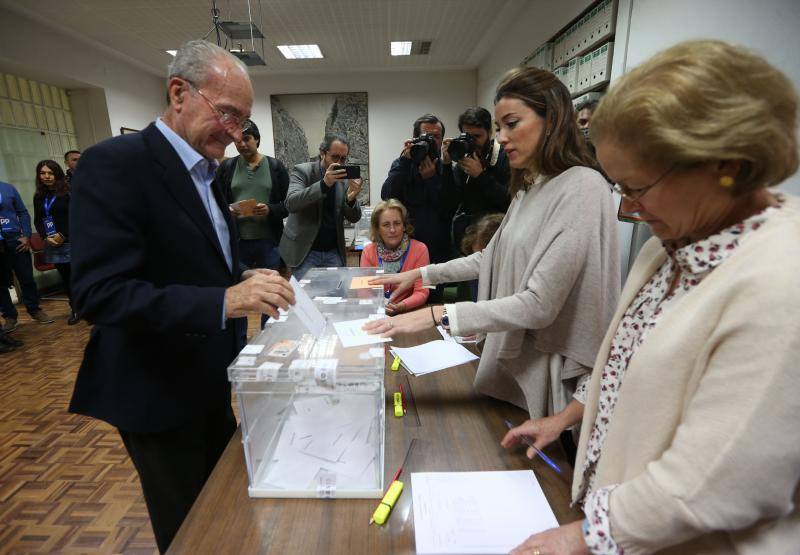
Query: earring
(726, 181)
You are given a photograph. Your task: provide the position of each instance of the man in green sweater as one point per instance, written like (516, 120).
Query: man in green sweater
(255, 187)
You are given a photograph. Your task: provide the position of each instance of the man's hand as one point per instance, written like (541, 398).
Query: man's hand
(333, 174)
(446, 160)
(471, 165)
(407, 148)
(262, 291)
(353, 189)
(427, 168)
(24, 244)
(261, 209)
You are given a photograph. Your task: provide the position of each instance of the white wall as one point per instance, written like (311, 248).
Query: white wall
(90, 113)
(536, 23)
(395, 100)
(770, 28)
(133, 96)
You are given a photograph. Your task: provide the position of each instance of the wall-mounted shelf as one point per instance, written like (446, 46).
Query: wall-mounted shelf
(580, 55)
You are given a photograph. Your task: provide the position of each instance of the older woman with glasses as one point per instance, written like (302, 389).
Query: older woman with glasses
(393, 250)
(691, 424)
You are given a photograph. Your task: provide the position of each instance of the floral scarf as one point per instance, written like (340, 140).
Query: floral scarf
(391, 260)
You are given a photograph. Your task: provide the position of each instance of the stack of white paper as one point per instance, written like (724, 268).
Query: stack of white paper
(477, 512)
(433, 356)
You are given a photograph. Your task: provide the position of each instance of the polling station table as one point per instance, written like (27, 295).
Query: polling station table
(453, 428)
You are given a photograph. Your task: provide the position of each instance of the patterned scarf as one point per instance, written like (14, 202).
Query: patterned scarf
(392, 258)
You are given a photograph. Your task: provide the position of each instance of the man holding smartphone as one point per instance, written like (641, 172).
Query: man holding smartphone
(320, 197)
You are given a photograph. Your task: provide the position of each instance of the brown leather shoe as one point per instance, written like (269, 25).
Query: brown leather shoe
(42, 317)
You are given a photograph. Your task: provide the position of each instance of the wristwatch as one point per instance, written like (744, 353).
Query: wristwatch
(445, 319)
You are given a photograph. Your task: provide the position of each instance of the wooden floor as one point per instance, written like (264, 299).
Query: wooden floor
(66, 482)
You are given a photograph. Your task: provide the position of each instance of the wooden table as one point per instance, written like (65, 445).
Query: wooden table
(455, 429)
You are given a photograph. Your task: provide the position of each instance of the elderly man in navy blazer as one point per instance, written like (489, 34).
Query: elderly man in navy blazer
(155, 269)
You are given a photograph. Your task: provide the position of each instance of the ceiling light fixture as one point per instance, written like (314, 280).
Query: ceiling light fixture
(300, 51)
(401, 48)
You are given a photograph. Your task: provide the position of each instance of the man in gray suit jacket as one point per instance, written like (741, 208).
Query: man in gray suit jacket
(318, 200)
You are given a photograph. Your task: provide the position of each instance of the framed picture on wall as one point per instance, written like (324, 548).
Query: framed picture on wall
(301, 121)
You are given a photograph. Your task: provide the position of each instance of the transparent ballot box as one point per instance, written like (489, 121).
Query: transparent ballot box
(312, 411)
(346, 283)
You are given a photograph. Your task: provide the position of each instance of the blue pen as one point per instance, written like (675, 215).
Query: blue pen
(529, 443)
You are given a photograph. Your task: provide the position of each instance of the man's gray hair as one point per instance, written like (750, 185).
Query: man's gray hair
(194, 58)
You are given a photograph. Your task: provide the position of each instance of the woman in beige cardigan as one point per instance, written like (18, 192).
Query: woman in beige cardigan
(549, 278)
(691, 421)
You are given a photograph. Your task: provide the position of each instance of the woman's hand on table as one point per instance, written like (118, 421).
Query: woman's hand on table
(393, 309)
(410, 322)
(564, 540)
(402, 282)
(542, 432)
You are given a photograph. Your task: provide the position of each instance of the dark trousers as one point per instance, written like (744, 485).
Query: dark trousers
(173, 466)
(259, 253)
(21, 264)
(64, 270)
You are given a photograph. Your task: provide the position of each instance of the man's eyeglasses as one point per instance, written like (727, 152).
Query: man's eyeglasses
(338, 158)
(636, 194)
(227, 119)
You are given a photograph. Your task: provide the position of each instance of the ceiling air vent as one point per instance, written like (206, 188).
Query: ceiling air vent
(420, 47)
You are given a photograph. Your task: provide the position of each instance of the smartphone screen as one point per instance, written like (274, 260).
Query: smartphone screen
(353, 171)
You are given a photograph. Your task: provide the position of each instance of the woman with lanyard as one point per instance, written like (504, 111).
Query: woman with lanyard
(51, 217)
(393, 250)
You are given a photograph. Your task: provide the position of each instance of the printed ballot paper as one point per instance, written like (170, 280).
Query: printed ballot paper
(477, 512)
(322, 434)
(351, 333)
(362, 282)
(433, 356)
(306, 310)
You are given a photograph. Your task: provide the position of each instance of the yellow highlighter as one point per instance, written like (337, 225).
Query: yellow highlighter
(398, 404)
(387, 503)
(396, 364)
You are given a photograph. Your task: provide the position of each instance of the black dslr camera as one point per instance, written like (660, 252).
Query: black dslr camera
(461, 146)
(424, 145)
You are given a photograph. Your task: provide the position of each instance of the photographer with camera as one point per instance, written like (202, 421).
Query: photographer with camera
(321, 195)
(415, 179)
(475, 173)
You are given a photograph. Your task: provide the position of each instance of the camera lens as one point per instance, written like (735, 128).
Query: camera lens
(419, 150)
(424, 145)
(461, 146)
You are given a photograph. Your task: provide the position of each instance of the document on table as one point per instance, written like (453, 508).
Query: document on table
(362, 282)
(433, 356)
(307, 311)
(351, 334)
(477, 512)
